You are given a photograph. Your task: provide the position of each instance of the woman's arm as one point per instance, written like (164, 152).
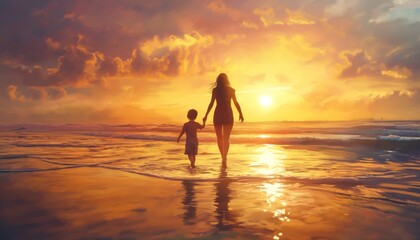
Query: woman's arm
(238, 107)
(209, 107)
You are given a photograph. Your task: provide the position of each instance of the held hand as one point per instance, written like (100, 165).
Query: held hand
(177, 141)
(241, 118)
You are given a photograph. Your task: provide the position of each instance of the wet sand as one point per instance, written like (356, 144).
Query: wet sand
(97, 203)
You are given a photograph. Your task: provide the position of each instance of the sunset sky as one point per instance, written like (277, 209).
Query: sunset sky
(138, 61)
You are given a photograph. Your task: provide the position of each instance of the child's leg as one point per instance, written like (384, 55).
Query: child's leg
(191, 157)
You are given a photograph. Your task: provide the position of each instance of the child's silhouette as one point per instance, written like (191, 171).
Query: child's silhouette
(190, 128)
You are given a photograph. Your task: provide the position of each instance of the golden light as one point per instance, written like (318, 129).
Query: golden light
(276, 205)
(266, 101)
(269, 161)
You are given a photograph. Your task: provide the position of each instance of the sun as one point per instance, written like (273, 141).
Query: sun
(266, 101)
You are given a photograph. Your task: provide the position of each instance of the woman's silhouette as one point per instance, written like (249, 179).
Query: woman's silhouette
(226, 220)
(223, 93)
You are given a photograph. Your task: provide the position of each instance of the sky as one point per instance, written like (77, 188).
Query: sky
(141, 61)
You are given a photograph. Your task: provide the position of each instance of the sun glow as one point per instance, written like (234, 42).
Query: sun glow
(266, 101)
(269, 161)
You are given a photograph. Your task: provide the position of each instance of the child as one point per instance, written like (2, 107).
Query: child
(190, 127)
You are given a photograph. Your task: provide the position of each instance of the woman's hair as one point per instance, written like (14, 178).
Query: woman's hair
(222, 81)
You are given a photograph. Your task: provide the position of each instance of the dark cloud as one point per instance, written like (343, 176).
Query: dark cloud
(56, 93)
(38, 94)
(359, 64)
(73, 63)
(77, 66)
(142, 63)
(24, 27)
(407, 55)
(109, 66)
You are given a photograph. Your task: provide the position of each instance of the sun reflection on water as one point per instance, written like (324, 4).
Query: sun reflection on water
(264, 136)
(269, 160)
(274, 193)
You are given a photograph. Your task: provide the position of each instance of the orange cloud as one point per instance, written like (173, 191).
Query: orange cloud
(269, 17)
(13, 94)
(219, 6)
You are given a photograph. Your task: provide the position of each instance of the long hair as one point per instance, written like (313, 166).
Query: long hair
(222, 83)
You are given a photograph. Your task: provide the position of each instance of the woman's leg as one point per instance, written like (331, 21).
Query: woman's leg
(227, 129)
(191, 157)
(219, 134)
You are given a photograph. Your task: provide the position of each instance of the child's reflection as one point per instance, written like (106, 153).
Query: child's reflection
(190, 205)
(225, 219)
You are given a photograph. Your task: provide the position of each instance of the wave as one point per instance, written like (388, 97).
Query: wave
(273, 127)
(64, 145)
(343, 181)
(133, 136)
(398, 138)
(13, 156)
(66, 165)
(390, 141)
(403, 133)
(194, 175)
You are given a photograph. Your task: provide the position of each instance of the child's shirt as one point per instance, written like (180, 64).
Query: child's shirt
(190, 129)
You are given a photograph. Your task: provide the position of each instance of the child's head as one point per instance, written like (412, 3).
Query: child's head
(192, 114)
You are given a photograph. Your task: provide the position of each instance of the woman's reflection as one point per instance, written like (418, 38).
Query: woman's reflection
(189, 202)
(225, 219)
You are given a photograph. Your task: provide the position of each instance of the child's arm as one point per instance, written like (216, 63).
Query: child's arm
(182, 133)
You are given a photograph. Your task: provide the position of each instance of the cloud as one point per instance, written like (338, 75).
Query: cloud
(13, 94)
(172, 56)
(126, 51)
(340, 7)
(52, 44)
(287, 17)
(34, 93)
(219, 6)
(38, 94)
(79, 67)
(359, 64)
(56, 93)
(398, 104)
(75, 67)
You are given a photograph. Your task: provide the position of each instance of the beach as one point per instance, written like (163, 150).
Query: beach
(96, 182)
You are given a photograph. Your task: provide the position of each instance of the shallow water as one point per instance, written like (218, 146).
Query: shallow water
(280, 177)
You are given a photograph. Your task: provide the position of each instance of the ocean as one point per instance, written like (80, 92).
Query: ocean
(375, 164)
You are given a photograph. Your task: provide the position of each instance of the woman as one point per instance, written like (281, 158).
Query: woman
(223, 116)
